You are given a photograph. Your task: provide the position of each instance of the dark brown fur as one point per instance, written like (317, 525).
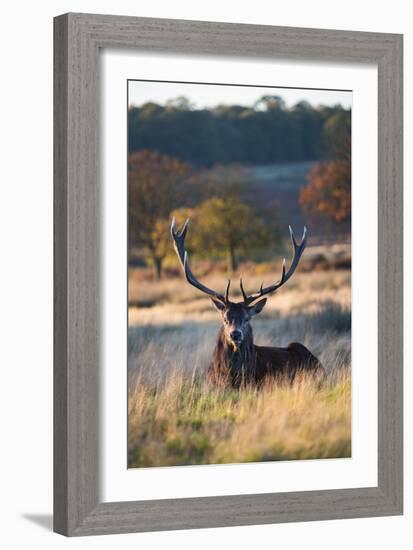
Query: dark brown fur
(250, 364)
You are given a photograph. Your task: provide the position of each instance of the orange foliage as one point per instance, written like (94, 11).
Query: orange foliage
(156, 186)
(328, 191)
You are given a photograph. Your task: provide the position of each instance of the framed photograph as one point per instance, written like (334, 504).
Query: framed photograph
(228, 274)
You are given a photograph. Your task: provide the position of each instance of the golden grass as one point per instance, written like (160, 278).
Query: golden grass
(175, 419)
(184, 422)
(174, 301)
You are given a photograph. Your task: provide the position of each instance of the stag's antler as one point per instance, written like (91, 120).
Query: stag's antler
(179, 245)
(298, 250)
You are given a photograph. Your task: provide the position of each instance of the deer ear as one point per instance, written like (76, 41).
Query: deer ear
(258, 307)
(219, 305)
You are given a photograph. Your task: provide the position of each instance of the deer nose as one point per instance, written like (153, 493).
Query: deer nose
(236, 335)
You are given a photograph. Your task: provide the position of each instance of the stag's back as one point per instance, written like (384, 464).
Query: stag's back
(285, 363)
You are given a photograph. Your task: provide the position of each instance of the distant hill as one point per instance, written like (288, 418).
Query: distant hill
(274, 190)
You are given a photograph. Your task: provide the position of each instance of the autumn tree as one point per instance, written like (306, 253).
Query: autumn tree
(157, 185)
(328, 191)
(226, 225)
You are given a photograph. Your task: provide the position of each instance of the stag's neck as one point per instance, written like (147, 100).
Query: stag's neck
(234, 358)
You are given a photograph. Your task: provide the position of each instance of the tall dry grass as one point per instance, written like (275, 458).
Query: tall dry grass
(174, 418)
(185, 422)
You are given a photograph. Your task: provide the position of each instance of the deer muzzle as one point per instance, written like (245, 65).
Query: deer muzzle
(236, 336)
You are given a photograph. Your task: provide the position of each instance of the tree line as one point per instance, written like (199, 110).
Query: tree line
(266, 132)
(163, 183)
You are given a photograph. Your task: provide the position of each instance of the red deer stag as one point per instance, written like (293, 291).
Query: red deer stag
(236, 359)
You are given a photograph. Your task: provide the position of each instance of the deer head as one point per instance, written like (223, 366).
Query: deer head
(236, 316)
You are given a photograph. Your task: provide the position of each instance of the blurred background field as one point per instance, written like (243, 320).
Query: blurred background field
(218, 166)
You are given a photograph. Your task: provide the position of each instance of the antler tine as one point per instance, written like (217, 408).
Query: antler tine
(179, 245)
(298, 250)
(227, 291)
(242, 290)
(179, 239)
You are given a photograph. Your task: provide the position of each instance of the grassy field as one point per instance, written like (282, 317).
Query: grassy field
(175, 419)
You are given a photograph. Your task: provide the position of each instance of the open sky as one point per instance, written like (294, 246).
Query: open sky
(211, 95)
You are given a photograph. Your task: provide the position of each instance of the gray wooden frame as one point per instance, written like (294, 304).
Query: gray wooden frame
(78, 39)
